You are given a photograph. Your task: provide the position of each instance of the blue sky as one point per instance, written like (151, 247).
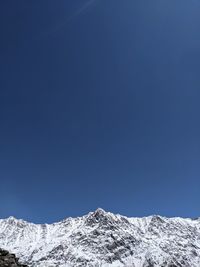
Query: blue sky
(99, 107)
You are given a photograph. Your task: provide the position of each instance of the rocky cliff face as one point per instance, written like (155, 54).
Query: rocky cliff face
(9, 260)
(103, 239)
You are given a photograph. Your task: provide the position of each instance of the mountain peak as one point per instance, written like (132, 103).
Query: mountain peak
(100, 212)
(11, 218)
(99, 215)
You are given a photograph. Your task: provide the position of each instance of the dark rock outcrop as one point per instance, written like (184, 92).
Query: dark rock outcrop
(9, 260)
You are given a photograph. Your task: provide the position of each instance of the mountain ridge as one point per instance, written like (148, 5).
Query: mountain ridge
(102, 238)
(101, 209)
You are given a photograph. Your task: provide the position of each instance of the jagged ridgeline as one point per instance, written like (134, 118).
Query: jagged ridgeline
(9, 260)
(104, 239)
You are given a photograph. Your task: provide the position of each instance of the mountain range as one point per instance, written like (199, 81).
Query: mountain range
(103, 239)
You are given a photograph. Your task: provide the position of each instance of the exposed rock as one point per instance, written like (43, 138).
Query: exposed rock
(9, 260)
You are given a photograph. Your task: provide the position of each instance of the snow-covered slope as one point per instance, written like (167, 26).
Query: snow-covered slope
(103, 239)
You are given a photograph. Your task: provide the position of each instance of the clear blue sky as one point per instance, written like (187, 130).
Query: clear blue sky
(99, 107)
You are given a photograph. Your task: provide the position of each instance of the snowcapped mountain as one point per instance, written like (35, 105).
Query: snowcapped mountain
(103, 239)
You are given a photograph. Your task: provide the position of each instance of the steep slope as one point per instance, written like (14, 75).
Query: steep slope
(104, 239)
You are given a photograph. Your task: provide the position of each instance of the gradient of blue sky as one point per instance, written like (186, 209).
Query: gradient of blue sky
(99, 107)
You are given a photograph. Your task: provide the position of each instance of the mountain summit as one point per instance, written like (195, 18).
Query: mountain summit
(104, 239)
